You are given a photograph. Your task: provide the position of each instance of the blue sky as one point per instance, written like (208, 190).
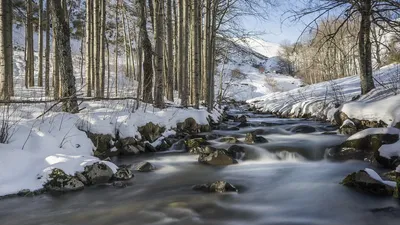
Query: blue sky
(278, 28)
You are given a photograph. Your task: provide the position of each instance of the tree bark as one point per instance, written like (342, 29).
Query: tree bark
(47, 52)
(365, 47)
(159, 54)
(40, 44)
(88, 61)
(148, 55)
(6, 66)
(62, 35)
(170, 59)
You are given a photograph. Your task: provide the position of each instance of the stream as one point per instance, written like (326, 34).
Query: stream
(285, 181)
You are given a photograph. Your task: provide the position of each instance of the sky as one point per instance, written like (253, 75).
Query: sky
(278, 28)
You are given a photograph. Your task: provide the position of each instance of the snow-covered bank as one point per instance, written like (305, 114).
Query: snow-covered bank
(322, 100)
(58, 140)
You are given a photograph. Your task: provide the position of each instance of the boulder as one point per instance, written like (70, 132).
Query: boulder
(98, 173)
(119, 184)
(189, 126)
(236, 152)
(365, 146)
(229, 140)
(340, 117)
(179, 145)
(252, 138)
(348, 128)
(123, 174)
(396, 193)
(241, 119)
(303, 129)
(219, 157)
(104, 144)
(149, 147)
(82, 178)
(59, 181)
(202, 150)
(218, 187)
(362, 181)
(128, 146)
(195, 142)
(151, 132)
(144, 167)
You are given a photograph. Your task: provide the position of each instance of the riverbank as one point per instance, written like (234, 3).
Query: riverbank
(35, 145)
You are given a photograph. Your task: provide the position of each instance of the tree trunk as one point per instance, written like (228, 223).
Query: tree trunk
(206, 51)
(101, 81)
(56, 70)
(170, 75)
(88, 60)
(62, 35)
(147, 50)
(97, 46)
(29, 67)
(159, 57)
(116, 46)
(195, 47)
(40, 44)
(47, 52)
(6, 66)
(181, 49)
(185, 49)
(365, 50)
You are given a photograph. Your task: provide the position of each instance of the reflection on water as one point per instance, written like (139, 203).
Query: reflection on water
(285, 181)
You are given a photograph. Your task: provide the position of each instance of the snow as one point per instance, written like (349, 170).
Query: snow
(372, 131)
(321, 99)
(398, 169)
(378, 178)
(260, 46)
(37, 146)
(387, 110)
(347, 123)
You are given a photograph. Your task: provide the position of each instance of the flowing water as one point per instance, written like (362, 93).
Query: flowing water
(285, 181)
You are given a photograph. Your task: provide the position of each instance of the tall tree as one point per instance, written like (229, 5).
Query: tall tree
(147, 51)
(62, 35)
(5, 48)
(88, 48)
(40, 44)
(29, 57)
(159, 53)
(47, 52)
(170, 56)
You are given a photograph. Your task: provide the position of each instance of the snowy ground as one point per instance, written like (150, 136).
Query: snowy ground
(36, 146)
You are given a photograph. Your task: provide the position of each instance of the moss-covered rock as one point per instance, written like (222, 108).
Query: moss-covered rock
(361, 181)
(189, 126)
(104, 145)
(202, 150)
(219, 157)
(98, 173)
(218, 186)
(236, 152)
(195, 142)
(151, 132)
(229, 140)
(59, 181)
(252, 138)
(123, 174)
(365, 147)
(396, 193)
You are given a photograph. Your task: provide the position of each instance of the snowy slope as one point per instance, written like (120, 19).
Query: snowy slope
(320, 99)
(239, 72)
(260, 46)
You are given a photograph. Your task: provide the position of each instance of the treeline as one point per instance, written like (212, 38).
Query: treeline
(168, 46)
(321, 56)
